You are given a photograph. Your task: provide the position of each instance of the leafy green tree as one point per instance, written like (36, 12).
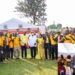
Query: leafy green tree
(59, 26)
(33, 9)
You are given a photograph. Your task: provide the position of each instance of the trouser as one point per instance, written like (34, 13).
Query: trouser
(52, 51)
(56, 51)
(33, 52)
(4, 50)
(24, 51)
(16, 52)
(11, 52)
(7, 52)
(73, 71)
(47, 50)
(1, 54)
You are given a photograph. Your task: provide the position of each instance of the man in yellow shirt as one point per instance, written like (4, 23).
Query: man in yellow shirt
(53, 40)
(11, 46)
(24, 42)
(16, 46)
(47, 46)
(6, 46)
(1, 48)
(67, 37)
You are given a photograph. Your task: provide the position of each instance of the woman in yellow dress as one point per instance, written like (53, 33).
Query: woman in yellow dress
(40, 46)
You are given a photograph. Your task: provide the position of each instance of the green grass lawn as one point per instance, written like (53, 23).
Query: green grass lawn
(28, 67)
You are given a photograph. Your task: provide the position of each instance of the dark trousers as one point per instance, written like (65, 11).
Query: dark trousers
(73, 71)
(24, 51)
(1, 54)
(33, 52)
(6, 52)
(73, 74)
(11, 52)
(52, 51)
(47, 50)
(56, 51)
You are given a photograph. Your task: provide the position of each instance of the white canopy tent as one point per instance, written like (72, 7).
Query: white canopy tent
(15, 23)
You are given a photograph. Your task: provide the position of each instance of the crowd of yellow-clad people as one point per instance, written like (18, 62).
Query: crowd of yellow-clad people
(43, 45)
(67, 35)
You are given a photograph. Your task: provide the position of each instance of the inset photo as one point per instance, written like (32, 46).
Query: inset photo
(66, 51)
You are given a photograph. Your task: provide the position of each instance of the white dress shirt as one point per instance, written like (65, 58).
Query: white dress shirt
(32, 41)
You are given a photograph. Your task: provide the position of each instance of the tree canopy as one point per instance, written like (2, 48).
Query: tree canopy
(34, 9)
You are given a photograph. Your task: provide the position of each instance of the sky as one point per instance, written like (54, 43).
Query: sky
(58, 11)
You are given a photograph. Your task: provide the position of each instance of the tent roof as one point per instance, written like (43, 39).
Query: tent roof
(14, 23)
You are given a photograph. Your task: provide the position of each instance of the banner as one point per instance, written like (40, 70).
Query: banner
(66, 49)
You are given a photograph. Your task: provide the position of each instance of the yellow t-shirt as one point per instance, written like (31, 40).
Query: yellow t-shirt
(7, 40)
(13, 37)
(1, 41)
(24, 40)
(67, 39)
(47, 39)
(16, 42)
(11, 45)
(3, 37)
(53, 42)
(58, 38)
(73, 41)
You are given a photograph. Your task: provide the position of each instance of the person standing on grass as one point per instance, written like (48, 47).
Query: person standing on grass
(1, 48)
(32, 43)
(53, 46)
(40, 46)
(11, 46)
(23, 42)
(6, 46)
(16, 46)
(47, 46)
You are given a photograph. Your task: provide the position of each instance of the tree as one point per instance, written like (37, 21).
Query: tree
(59, 26)
(34, 9)
(53, 26)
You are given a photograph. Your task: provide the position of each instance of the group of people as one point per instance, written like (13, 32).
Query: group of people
(67, 35)
(45, 46)
(66, 65)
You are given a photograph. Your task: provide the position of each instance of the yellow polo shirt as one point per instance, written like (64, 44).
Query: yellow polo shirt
(67, 39)
(1, 41)
(16, 42)
(53, 42)
(47, 39)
